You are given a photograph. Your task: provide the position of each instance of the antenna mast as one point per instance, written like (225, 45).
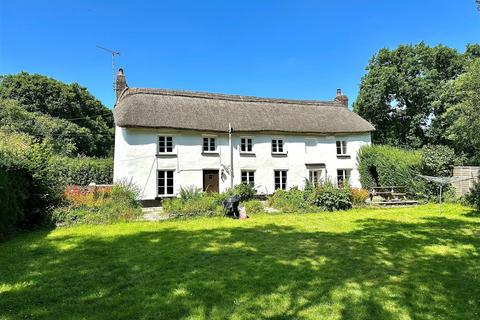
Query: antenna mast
(113, 53)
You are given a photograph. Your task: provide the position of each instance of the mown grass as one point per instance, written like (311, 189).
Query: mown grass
(404, 263)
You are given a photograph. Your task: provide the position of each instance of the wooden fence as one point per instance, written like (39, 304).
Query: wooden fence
(470, 174)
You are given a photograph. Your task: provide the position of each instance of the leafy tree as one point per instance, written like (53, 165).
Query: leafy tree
(49, 109)
(400, 94)
(464, 116)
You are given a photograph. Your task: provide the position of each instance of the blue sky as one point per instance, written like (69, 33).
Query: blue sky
(290, 49)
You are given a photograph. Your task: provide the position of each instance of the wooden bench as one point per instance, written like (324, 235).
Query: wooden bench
(392, 195)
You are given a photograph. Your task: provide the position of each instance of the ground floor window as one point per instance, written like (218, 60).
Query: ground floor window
(342, 176)
(165, 182)
(314, 176)
(281, 179)
(248, 176)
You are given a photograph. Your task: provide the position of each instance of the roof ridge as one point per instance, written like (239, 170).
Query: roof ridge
(223, 96)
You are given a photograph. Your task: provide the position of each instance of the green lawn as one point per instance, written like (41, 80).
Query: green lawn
(407, 263)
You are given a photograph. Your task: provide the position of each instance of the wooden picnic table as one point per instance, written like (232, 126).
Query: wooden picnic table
(389, 193)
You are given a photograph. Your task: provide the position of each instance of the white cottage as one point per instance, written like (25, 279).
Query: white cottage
(168, 139)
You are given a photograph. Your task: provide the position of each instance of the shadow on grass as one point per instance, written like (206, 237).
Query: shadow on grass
(472, 214)
(382, 270)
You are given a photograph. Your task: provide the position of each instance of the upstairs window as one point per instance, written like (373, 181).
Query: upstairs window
(248, 176)
(246, 145)
(343, 175)
(277, 146)
(341, 147)
(209, 144)
(165, 182)
(165, 144)
(281, 179)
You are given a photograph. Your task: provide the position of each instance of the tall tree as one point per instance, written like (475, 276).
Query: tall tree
(464, 116)
(400, 92)
(49, 109)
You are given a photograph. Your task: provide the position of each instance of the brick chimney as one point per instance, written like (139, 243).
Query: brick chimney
(121, 83)
(341, 98)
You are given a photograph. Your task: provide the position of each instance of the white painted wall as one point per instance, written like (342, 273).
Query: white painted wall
(136, 159)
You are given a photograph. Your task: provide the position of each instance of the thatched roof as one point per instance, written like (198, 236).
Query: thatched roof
(158, 108)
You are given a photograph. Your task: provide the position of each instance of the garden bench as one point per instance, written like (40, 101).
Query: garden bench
(391, 195)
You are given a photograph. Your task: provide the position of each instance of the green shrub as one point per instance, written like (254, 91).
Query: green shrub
(473, 198)
(292, 200)
(82, 170)
(438, 161)
(205, 205)
(244, 190)
(27, 188)
(390, 166)
(190, 193)
(253, 207)
(119, 204)
(331, 198)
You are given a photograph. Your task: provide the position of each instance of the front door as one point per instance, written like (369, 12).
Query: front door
(210, 180)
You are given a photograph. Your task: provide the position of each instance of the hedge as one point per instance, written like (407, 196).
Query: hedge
(27, 188)
(390, 166)
(83, 170)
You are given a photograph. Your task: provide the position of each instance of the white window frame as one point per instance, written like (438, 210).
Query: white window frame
(246, 144)
(250, 176)
(165, 183)
(346, 175)
(342, 145)
(209, 144)
(283, 176)
(276, 149)
(158, 144)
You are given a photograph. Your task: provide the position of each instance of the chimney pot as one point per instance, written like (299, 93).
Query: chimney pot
(339, 92)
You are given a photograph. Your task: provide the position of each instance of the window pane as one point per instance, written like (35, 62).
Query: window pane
(244, 176)
(280, 145)
(344, 147)
(252, 178)
(205, 144)
(161, 144)
(169, 144)
(274, 145)
(212, 144)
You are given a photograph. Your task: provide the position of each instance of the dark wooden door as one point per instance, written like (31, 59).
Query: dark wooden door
(210, 180)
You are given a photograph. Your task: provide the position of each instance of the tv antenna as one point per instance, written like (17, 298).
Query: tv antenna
(113, 53)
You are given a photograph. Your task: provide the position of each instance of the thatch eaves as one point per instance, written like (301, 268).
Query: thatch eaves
(159, 108)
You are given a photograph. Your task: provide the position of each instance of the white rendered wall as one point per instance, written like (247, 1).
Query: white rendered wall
(136, 158)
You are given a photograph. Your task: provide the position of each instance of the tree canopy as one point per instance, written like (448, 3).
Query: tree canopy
(66, 115)
(463, 117)
(407, 91)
